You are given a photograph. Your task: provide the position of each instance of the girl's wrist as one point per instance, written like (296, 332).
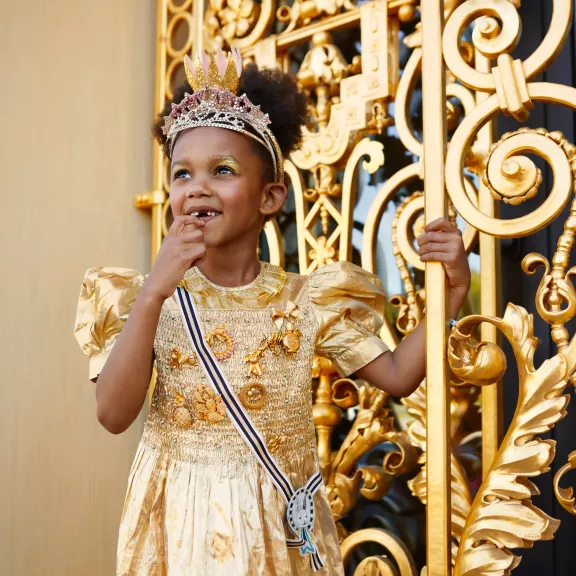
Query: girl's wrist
(456, 299)
(150, 297)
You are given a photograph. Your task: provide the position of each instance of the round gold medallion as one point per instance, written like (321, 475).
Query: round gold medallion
(222, 342)
(291, 342)
(253, 395)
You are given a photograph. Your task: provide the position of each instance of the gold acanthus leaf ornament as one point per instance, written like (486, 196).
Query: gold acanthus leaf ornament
(461, 499)
(502, 515)
(372, 426)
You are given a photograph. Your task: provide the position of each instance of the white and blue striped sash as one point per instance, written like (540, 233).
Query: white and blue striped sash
(305, 540)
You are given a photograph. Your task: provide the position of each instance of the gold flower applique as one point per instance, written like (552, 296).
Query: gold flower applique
(209, 406)
(274, 442)
(253, 360)
(179, 360)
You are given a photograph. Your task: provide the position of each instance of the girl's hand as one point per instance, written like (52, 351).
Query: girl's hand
(182, 249)
(442, 242)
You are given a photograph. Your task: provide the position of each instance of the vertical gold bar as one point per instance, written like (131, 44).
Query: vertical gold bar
(162, 20)
(438, 409)
(489, 293)
(158, 158)
(198, 14)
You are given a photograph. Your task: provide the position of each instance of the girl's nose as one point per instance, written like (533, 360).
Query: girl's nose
(196, 191)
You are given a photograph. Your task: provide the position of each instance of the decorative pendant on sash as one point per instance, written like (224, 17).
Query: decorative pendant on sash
(300, 516)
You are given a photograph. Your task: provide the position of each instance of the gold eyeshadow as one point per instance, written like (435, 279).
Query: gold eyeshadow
(225, 161)
(213, 163)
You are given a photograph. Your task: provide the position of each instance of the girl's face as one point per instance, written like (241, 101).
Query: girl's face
(216, 175)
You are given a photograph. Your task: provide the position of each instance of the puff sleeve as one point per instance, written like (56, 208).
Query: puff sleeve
(105, 301)
(349, 305)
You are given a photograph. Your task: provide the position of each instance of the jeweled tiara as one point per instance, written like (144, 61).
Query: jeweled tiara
(215, 102)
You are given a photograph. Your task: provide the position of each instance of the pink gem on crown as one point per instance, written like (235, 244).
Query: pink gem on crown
(213, 100)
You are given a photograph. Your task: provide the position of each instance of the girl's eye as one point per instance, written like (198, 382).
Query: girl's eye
(224, 170)
(181, 174)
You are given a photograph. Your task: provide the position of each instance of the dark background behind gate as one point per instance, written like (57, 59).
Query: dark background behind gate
(558, 557)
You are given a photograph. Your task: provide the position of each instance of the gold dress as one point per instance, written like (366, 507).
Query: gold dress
(198, 503)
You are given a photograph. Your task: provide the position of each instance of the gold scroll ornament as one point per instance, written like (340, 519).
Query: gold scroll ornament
(502, 516)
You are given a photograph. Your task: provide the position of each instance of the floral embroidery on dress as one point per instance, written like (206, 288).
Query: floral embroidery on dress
(208, 405)
(179, 360)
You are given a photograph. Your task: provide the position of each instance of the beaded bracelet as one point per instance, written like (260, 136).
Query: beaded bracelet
(451, 322)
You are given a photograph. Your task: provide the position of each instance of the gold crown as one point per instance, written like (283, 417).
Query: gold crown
(215, 103)
(220, 72)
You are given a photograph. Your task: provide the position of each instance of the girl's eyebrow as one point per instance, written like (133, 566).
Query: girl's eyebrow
(224, 158)
(211, 159)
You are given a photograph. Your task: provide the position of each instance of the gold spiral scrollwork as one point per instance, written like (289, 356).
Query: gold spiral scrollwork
(410, 307)
(565, 496)
(493, 40)
(406, 87)
(406, 219)
(509, 175)
(380, 565)
(488, 37)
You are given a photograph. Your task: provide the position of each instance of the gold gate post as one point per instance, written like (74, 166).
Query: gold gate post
(155, 199)
(438, 410)
(198, 14)
(489, 290)
(160, 195)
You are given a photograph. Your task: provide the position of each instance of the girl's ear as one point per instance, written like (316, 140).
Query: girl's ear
(273, 197)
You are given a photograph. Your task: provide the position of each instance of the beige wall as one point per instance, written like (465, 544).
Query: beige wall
(76, 101)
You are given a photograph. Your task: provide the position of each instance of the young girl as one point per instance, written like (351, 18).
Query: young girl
(226, 478)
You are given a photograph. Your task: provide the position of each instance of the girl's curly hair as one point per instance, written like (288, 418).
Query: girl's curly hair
(277, 94)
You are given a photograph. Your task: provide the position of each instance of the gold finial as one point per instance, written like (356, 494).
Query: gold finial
(218, 71)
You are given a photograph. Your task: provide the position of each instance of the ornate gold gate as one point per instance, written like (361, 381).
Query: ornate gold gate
(365, 65)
